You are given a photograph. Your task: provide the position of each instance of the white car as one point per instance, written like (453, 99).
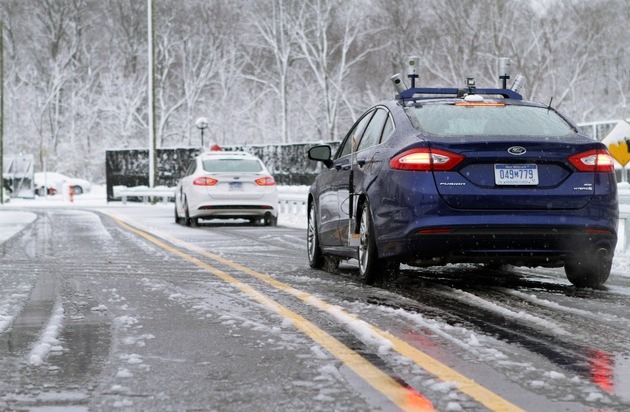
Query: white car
(52, 182)
(226, 185)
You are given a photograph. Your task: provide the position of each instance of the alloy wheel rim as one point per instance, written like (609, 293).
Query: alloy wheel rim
(310, 239)
(364, 240)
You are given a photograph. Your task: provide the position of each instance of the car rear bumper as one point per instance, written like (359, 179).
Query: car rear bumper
(234, 211)
(234, 207)
(517, 245)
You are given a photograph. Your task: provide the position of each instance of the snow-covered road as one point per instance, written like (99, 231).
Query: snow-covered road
(118, 308)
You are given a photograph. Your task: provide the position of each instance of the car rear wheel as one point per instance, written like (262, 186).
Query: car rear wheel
(271, 220)
(190, 221)
(315, 257)
(178, 219)
(77, 190)
(590, 271)
(371, 268)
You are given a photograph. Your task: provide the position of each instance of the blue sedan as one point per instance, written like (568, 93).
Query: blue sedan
(440, 176)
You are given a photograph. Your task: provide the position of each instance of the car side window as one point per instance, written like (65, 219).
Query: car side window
(372, 135)
(354, 135)
(191, 167)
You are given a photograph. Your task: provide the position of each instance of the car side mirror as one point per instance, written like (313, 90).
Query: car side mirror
(322, 154)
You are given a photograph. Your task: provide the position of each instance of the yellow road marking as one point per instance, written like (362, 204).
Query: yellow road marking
(464, 384)
(404, 397)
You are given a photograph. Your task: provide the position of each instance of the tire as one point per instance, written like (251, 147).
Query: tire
(371, 268)
(78, 190)
(315, 256)
(271, 221)
(178, 219)
(190, 221)
(589, 272)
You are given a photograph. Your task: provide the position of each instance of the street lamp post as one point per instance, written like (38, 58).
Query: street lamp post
(202, 124)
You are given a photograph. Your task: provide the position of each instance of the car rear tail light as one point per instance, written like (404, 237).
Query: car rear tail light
(205, 181)
(483, 104)
(426, 159)
(265, 181)
(598, 160)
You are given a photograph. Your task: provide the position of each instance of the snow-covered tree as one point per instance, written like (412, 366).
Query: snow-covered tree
(281, 71)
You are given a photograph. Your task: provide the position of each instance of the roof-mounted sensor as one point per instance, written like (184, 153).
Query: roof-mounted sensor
(413, 63)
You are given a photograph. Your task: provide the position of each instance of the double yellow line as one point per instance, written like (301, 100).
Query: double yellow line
(403, 396)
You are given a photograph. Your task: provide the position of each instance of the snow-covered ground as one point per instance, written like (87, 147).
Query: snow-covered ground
(484, 347)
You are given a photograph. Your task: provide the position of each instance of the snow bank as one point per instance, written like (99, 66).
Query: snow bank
(12, 222)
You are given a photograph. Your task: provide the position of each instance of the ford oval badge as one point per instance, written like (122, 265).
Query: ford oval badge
(517, 150)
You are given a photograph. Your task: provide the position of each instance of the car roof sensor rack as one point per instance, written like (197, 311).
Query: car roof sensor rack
(410, 93)
(405, 93)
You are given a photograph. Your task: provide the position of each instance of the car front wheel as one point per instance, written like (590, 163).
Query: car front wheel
(315, 257)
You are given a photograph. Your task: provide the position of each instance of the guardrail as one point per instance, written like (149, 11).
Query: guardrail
(144, 192)
(623, 230)
(292, 201)
(623, 233)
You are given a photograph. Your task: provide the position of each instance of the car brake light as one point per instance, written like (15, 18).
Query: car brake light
(426, 160)
(598, 160)
(484, 104)
(265, 181)
(205, 181)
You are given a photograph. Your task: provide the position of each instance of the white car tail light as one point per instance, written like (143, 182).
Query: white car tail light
(266, 181)
(205, 181)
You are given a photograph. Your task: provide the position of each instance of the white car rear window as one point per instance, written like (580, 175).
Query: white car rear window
(232, 165)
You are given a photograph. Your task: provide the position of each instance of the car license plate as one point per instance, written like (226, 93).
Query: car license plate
(236, 186)
(514, 175)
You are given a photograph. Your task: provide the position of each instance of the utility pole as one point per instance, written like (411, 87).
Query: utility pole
(2, 112)
(151, 103)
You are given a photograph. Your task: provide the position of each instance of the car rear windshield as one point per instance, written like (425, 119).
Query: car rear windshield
(489, 120)
(232, 165)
